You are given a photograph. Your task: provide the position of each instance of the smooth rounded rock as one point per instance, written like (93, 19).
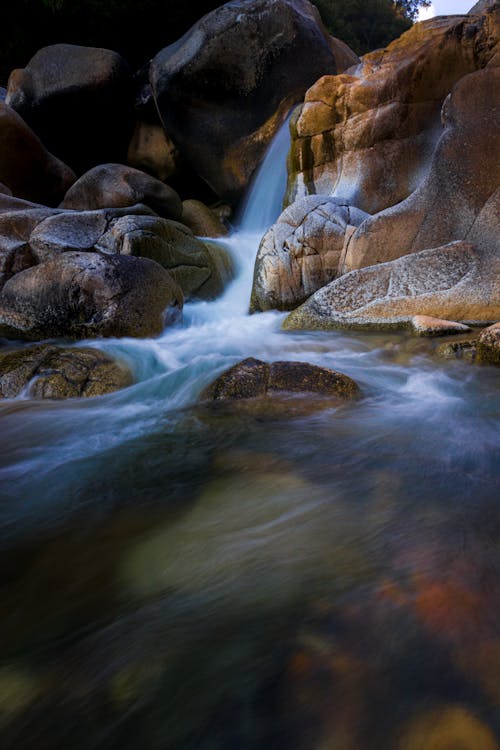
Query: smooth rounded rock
(84, 295)
(118, 186)
(201, 220)
(426, 325)
(488, 345)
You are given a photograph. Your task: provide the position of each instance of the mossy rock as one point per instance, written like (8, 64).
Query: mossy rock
(47, 371)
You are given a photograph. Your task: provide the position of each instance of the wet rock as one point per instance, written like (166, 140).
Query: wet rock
(52, 372)
(201, 220)
(83, 295)
(152, 151)
(368, 135)
(78, 100)
(466, 350)
(488, 345)
(426, 325)
(117, 186)
(450, 726)
(255, 59)
(253, 378)
(455, 281)
(301, 252)
(201, 269)
(27, 169)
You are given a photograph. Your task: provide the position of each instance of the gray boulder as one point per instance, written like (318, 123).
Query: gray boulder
(301, 252)
(83, 295)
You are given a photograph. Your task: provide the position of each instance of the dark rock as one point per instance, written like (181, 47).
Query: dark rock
(83, 295)
(201, 220)
(78, 100)
(201, 269)
(27, 169)
(253, 378)
(152, 151)
(224, 89)
(52, 372)
(118, 186)
(465, 350)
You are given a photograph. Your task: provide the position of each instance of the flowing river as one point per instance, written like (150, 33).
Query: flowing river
(180, 578)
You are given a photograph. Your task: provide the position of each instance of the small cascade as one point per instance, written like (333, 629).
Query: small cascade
(264, 200)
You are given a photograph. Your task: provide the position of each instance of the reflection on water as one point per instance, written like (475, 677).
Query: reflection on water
(177, 576)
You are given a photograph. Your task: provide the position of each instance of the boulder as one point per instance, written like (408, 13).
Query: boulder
(27, 169)
(118, 186)
(52, 372)
(425, 325)
(463, 178)
(152, 151)
(84, 295)
(78, 100)
(446, 727)
(253, 378)
(201, 269)
(226, 86)
(201, 220)
(301, 252)
(454, 282)
(488, 345)
(368, 135)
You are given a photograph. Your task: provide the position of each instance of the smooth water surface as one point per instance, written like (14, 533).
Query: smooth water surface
(177, 576)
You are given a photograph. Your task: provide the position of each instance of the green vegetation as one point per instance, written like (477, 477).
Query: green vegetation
(138, 29)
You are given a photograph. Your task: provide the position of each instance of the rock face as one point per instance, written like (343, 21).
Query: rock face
(455, 282)
(463, 178)
(117, 186)
(27, 169)
(201, 269)
(78, 100)
(152, 151)
(52, 372)
(85, 295)
(301, 252)
(224, 88)
(368, 136)
(253, 378)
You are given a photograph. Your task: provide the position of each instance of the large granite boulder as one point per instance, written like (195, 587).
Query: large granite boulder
(224, 89)
(78, 100)
(368, 135)
(27, 169)
(117, 186)
(301, 252)
(455, 282)
(464, 174)
(201, 269)
(252, 378)
(152, 151)
(83, 295)
(53, 372)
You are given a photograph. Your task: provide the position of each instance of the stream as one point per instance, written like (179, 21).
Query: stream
(182, 577)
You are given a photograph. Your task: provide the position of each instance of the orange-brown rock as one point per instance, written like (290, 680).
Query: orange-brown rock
(367, 136)
(488, 345)
(201, 220)
(152, 151)
(447, 727)
(27, 169)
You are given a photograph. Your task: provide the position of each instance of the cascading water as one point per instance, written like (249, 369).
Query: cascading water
(181, 578)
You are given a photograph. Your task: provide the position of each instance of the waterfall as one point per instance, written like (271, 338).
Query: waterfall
(264, 201)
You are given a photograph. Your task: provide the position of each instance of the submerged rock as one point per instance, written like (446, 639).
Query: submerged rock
(301, 252)
(252, 378)
(82, 295)
(233, 77)
(117, 186)
(27, 169)
(52, 372)
(78, 100)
